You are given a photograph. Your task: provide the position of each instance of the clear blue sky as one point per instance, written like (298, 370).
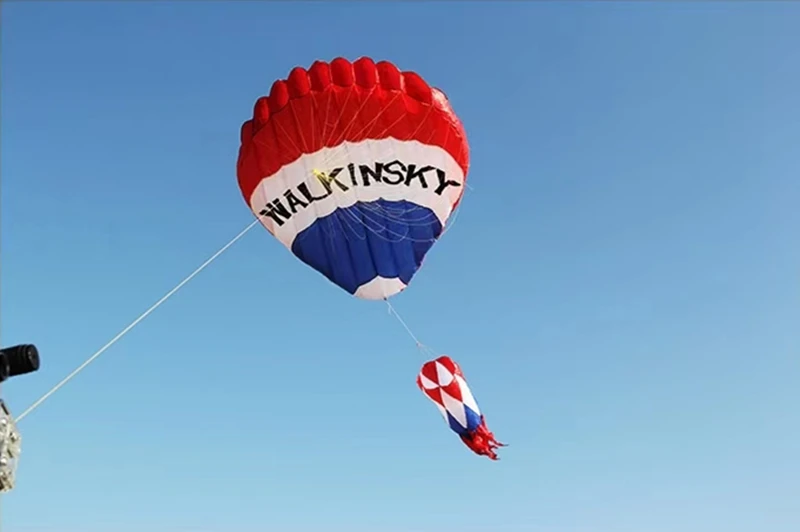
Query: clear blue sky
(621, 285)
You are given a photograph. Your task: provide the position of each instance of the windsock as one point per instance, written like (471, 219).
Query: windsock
(442, 381)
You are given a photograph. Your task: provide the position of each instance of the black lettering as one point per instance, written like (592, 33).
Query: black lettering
(414, 173)
(444, 182)
(326, 179)
(278, 206)
(303, 188)
(352, 169)
(392, 173)
(273, 209)
(367, 172)
(332, 177)
(326, 182)
(294, 201)
(271, 214)
(399, 174)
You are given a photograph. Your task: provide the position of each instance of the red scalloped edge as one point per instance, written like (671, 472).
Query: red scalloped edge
(340, 72)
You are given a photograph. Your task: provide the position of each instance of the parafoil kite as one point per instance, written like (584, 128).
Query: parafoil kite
(442, 381)
(356, 168)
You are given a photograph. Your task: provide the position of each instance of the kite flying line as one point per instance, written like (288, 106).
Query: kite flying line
(163, 300)
(136, 322)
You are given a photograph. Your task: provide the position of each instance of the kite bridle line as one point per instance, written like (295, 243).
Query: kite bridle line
(422, 347)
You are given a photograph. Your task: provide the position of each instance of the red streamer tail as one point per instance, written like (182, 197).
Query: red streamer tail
(482, 441)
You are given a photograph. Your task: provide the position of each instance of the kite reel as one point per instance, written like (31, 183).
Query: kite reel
(16, 360)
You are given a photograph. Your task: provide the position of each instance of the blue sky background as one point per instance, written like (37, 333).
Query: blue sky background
(620, 287)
